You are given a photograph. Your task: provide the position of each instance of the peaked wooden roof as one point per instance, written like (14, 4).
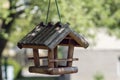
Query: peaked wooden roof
(50, 36)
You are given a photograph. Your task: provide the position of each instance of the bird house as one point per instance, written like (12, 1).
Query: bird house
(49, 37)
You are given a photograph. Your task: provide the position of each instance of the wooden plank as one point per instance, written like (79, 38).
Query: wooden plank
(59, 60)
(36, 57)
(44, 57)
(50, 56)
(62, 33)
(53, 71)
(34, 46)
(41, 69)
(41, 33)
(64, 70)
(46, 33)
(56, 55)
(70, 53)
(79, 39)
(58, 39)
(53, 36)
(27, 36)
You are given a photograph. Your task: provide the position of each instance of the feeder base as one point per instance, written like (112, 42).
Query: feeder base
(53, 71)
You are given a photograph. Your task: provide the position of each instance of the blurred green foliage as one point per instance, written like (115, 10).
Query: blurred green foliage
(83, 15)
(98, 76)
(17, 67)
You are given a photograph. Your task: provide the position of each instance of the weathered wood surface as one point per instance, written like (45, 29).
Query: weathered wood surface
(44, 57)
(42, 36)
(79, 39)
(36, 57)
(55, 56)
(70, 53)
(65, 70)
(41, 70)
(57, 37)
(32, 35)
(34, 46)
(51, 37)
(69, 60)
(50, 56)
(53, 71)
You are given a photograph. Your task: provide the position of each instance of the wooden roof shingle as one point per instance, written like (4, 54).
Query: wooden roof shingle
(50, 36)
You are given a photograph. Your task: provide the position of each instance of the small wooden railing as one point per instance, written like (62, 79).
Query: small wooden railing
(59, 60)
(55, 60)
(43, 57)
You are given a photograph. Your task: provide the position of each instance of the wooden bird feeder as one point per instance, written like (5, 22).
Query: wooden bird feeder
(49, 37)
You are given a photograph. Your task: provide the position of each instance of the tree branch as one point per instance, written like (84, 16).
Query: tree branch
(13, 16)
(3, 23)
(19, 13)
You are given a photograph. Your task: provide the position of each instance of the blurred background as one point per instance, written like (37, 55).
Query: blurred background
(97, 20)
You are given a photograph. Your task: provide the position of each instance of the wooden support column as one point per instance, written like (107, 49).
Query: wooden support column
(70, 53)
(56, 55)
(36, 57)
(50, 57)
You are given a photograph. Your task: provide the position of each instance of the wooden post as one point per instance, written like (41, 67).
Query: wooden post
(70, 54)
(56, 55)
(36, 57)
(50, 57)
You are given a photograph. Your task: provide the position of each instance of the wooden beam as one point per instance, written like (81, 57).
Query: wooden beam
(79, 39)
(50, 56)
(34, 46)
(65, 70)
(53, 71)
(56, 55)
(59, 60)
(70, 53)
(36, 57)
(44, 57)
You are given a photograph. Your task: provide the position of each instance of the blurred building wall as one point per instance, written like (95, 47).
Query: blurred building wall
(93, 62)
